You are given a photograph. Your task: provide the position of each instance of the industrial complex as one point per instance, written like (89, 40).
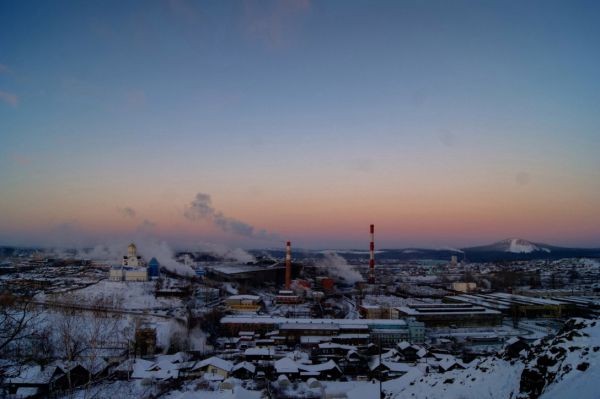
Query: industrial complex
(306, 319)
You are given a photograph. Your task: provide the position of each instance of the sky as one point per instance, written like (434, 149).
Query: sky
(247, 123)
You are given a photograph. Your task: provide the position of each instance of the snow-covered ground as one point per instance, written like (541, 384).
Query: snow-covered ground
(568, 366)
(138, 303)
(127, 295)
(562, 366)
(113, 390)
(517, 246)
(473, 383)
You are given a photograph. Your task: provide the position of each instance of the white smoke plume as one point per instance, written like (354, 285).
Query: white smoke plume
(164, 254)
(148, 248)
(337, 267)
(201, 208)
(148, 245)
(127, 212)
(222, 251)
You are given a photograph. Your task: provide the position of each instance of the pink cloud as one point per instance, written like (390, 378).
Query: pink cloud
(9, 98)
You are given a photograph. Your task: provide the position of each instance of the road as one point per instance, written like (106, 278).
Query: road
(351, 313)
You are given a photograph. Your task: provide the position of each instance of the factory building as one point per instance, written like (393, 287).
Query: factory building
(326, 283)
(205, 295)
(444, 314)
(132, 268)
(287, 297)
(251, 274)
(368, 311)
(294, 331)
(508, 304)
(244, 303)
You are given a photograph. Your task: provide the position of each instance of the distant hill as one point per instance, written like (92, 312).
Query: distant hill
(513, 245)
(510, 249)
(520, 249)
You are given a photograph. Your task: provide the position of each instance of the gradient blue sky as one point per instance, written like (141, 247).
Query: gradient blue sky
(443, 122)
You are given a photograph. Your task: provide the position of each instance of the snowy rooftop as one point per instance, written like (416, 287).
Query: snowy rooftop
(313, 339)
(524, 299)
(245, 365)
(244, 297)
(330, 345)
(308, 326)
(256, 319)
(287, 365)
(259, 352)
(446, 311)
(238, 269)
(35, 375)
(215, 362)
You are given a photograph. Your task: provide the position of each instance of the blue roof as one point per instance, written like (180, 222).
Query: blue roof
(153, 262)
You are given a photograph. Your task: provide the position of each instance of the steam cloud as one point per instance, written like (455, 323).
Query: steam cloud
(337, 267)
(148, 248)
(227, 253)
(127, 212)
(201, 209)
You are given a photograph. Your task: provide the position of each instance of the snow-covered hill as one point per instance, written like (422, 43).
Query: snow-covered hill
(518, 246)
(514, 246)
(564, 366)
(493, 378)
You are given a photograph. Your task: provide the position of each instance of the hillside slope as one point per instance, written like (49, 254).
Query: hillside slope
(563, 366)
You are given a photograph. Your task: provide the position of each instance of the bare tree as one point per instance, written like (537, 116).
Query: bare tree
(69, 326)
(103, 331)
(81, 335)
(16, 318)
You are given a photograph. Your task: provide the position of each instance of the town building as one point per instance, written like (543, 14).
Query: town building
(153, 268)
(206, 295)
(244, 303)
(444, 314)
(132, 268)
(465, 287)
(145, 340)
(292, 331)
(287, 297)
(369, 311)
(251, 274)
(517, 305)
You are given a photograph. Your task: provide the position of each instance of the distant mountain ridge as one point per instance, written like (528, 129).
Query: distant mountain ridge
(509, 249)
(521, 249)
(515, 246)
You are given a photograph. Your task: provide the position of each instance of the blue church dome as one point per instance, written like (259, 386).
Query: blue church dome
(153, 268)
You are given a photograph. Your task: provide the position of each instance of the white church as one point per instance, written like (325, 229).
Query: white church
(132, 268)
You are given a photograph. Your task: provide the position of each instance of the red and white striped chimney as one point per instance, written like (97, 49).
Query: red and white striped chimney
(288, 265)
(372, 258)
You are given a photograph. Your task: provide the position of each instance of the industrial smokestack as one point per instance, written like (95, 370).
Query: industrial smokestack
(372, 256)
(288, 265)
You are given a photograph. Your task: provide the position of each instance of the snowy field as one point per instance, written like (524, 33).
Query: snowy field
(127, 295)
(137, 298)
